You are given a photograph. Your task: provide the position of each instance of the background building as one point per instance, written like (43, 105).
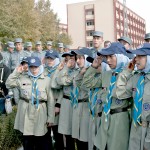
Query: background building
(106, 16)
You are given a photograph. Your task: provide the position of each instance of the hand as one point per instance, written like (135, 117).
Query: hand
(96, 63)
(57, 110)
(70, 63)
(19, 69)
(131, 65)
(49, 124)
(83, 71)
(61, 65)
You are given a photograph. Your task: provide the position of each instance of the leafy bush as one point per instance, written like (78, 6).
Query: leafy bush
(9, 138)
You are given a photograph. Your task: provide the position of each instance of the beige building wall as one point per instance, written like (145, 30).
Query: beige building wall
(76, 23)
(104, 20)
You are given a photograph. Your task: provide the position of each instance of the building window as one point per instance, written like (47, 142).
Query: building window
(90, 44)
(90, 22)
(90, 12)
(89, 33)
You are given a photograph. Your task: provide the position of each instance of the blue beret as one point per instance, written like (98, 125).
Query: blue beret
(113, 48)
(67, 54)
(52, 54)
(82, 51)
(24, 59)
(143, 49)
(34, 61)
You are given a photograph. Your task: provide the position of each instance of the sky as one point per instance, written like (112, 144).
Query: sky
(141, 7)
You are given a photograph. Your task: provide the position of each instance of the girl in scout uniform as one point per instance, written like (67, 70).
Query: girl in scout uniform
(95, 106)
(113, 133)
(137, 85)
(36, 105)
(80, 117)
(51, 64)
(63, 78)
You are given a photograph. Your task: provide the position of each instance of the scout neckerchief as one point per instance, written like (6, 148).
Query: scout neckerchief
(137, 109)
(92, 102)
(109, 96)
(35, 91)
(51, 70)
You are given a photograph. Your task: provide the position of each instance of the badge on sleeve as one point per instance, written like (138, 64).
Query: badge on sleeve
(146, 106)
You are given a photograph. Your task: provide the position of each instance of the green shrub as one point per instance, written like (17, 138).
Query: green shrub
(10, 139)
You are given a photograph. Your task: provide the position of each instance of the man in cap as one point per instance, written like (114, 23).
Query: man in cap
(15, 60)
(60, 50)
(38, 51)
(29, 47)
(127, 42)
(97, 42)
(49, 45)
(17, 56)
(147, 37)
(10, 50)
(66, 48)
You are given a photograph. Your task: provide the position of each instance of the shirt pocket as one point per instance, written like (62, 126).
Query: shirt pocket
(42, 95)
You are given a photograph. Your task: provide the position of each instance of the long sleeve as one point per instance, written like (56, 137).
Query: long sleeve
(64, 78)
(89, 79)
(124, 85)
(12, 80)
(50, 105)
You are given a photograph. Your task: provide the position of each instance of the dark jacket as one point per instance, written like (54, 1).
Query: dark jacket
(4, 73)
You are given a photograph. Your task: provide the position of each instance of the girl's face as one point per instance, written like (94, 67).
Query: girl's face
(140, 62)
(50, 62)
(111, 61)
(80, 61)
(34, 70)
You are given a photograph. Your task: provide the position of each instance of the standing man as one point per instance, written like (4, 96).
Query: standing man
(29, 47)
(97, 42)
(60, 50)
(66, 48)
(147, 38)
(127, 42)
(38, 51)
(49, 45)
(15, 60)
(10, 50)
(18, 55)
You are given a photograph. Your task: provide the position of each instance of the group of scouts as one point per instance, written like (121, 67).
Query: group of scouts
(91, 99)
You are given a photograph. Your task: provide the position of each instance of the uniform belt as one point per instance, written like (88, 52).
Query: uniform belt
(118, 110)
(42, 101)
(79, 100)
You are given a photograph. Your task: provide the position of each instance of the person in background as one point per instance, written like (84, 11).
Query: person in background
(29, 47)
(147, 38)
(49, 45)
(66, 48)
(106, 44)
(4, 73)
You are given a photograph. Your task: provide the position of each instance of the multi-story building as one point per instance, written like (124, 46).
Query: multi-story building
(106, 16)
(63, 28)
